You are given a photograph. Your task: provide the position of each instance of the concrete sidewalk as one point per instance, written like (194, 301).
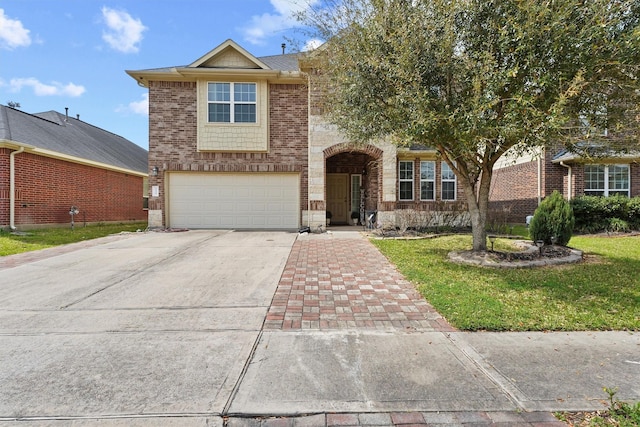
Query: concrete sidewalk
(274, 329)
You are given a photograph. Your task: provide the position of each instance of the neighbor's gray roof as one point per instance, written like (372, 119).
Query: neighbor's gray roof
(72, 137)
(284, 62)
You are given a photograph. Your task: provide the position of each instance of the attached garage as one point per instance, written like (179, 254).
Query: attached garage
(233, 200)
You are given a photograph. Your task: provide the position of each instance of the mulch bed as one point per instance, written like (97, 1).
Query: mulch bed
(547, 252)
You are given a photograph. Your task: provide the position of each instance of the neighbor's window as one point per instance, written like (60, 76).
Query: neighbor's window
(606, 180)
(232, 102)
(448, 182)
(405, 175)
(427, 180)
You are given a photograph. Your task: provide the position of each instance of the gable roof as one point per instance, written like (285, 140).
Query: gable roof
(228, 58)
(228, 54)
(55, 135)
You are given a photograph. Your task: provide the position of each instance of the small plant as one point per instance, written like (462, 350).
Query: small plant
(553, 220)
(617, 225)
(623, 413)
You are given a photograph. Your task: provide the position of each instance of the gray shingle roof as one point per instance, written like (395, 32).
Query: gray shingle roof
(286, 62)
(65, 135)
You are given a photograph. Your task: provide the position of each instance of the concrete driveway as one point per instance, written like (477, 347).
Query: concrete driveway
(142, 324)
(205, 328)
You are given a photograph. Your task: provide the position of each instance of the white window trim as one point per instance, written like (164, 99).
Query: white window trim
(433, 180)
(412, 181)
(232, 102)
(442, 181)
(607, 189)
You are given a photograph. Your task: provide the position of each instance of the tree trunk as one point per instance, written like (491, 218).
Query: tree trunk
(478, 206)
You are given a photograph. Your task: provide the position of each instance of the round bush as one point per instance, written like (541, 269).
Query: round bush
(553, 218)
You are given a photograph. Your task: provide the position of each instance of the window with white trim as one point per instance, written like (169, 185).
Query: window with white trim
(231, 102)
(427, 180)
(606, 180)
(447, 182)
(405, 177)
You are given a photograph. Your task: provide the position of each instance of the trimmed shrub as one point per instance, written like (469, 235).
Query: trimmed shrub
(553, 218)
(633, 210)
(595, 214)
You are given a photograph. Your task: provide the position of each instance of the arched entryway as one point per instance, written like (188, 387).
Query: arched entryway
(352, 182)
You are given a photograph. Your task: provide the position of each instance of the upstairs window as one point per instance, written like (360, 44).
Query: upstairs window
(606, 180)
(405, 174)
(232, 102)
(448, 182)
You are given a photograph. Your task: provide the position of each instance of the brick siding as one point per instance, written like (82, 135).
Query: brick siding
(514, 192)
(46, 189)
(514, 189)
(635, 179)
(173, 133)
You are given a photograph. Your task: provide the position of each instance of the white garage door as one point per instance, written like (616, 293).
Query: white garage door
(240, 201)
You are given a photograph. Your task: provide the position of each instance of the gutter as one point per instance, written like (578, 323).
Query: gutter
(12, 187)
(569, 179)
(539, 180)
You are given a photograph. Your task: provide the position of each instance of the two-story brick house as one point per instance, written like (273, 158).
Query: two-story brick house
(237, 141)
(519, 184)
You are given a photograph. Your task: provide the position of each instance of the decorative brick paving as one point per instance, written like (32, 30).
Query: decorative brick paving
(338, 283)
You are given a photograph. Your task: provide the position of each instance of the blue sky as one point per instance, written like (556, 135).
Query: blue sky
(74, 53)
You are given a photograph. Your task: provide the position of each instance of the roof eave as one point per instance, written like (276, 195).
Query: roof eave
(187, 73)
(14, 145)
(576, 158)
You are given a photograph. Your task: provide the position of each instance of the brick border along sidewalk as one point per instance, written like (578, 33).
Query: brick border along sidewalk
(338, 283)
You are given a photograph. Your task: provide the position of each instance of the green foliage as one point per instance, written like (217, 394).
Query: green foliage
(474, 79)
(618, 225)
(623, 413)
(597, 214)
(601, 295)
(553, 219)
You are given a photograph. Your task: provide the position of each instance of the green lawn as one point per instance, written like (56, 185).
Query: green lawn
(600, 294)
(32, 240)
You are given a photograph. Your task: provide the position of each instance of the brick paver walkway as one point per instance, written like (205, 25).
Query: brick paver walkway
(337, 283)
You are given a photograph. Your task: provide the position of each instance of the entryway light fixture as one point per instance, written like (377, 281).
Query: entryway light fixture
(154, 171)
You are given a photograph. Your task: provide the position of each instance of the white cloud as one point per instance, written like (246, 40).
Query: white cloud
(137, 107)
(12, 33)
(42, 89)
(267, 24)
(124, 33)
(312, 45)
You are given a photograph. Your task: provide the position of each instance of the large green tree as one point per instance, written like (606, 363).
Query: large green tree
(476, 78)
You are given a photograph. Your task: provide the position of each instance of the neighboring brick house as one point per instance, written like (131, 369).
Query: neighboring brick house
(520, 184)
(240, 142)
(50, 162)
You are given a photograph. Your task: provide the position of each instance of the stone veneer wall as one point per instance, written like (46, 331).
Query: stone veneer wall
(324, 141)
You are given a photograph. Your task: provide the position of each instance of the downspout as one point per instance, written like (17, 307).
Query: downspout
(539, 180)
(569, 179)
(12, 187)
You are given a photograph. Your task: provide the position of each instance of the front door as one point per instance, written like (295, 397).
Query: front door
(338, 197)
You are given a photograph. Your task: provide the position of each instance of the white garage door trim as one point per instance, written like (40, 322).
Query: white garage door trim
(233, 200)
